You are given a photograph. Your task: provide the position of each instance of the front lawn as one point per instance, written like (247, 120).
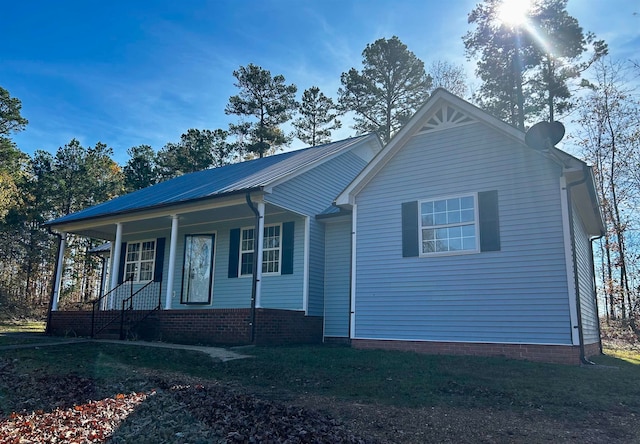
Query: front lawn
(379, 396)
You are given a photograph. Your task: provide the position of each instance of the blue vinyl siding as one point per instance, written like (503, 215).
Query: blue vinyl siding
(278, 291)
(310, 193)
(337, 279)
(585, 282)
(516, 295)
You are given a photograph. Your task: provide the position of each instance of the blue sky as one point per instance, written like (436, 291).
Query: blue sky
(127, 73)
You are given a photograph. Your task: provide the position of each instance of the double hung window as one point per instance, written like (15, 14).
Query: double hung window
(271, 250)
(448, 225)
(140, 260)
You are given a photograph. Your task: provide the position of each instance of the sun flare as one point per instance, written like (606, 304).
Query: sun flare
(513, 12)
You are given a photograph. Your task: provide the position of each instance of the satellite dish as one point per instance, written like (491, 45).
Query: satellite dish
(544, 135)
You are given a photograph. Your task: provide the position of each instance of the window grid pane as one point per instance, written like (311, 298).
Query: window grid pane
(448, 225)
(270, 250)
(139, 261)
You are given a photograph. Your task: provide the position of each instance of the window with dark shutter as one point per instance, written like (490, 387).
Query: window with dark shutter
(234, 252)
(460, 224)
(410, 229)
(288, 233)
(489, 221)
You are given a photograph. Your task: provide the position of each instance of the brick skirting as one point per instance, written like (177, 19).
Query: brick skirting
(559, 354)
(209, 327)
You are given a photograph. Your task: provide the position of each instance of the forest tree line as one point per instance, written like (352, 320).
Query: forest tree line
(572, 78)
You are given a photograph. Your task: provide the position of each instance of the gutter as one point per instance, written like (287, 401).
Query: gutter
(576, 281)
(254, 279)
(53, 222)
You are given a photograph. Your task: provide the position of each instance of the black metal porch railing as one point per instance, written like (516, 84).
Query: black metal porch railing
(137, 307)
(101, 316)
(108, 311)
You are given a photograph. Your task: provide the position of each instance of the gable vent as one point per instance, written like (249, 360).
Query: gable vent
(446, 117)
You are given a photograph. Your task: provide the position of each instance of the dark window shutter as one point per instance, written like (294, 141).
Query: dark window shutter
(489, 221)
(288, 232)
(410, 229)
(157, 271)
(123, 256)
(234, 252)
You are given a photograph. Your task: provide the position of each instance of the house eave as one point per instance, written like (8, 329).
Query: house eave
(84, 224)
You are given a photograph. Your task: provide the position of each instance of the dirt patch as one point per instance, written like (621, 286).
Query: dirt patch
(389, 424)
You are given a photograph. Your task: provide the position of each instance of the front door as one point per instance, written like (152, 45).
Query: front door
(197, 274)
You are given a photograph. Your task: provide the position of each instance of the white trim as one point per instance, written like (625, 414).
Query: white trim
(439, 98)
(476, 224)
(139, 261)
(115, 263)
(241, 251)
(305, 266)
(172, 261)
(568, 259)
(115, 259)
(352, 307)
(59, 272)
(137, 216)
(214, 235)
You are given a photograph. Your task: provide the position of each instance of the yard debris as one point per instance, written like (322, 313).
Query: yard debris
(63, 409)
(92, 422)
(243, 418)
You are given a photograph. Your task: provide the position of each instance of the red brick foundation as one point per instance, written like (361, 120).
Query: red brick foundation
(70, 323)
(559, 354)
(210, 327)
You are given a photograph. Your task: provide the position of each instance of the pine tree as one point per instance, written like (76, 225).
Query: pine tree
(318, 118)
(267, 99)
(386, 93)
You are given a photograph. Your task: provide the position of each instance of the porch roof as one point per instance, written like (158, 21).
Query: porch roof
(215, 182)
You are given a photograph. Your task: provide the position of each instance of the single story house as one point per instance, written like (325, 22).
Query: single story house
(456, 237)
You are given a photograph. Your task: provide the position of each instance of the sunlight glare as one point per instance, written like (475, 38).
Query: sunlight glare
(513, 12)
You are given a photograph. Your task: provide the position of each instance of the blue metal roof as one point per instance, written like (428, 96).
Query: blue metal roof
(215, 182)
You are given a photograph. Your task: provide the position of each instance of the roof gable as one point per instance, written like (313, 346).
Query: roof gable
(445, 117)
(445, 111)
(442, 111)
(255, 174)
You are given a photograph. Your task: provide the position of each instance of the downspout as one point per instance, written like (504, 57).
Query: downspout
(576, 281)
(53, 283)
(595, 292)
(254, 280)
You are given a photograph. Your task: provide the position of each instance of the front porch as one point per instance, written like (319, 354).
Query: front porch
(188, 275)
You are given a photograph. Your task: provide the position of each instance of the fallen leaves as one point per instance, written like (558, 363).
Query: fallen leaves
(62, 409)
(245, 418)
(92, 422)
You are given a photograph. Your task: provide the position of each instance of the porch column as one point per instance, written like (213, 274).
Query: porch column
(115, 262)
(59, 270)
(115, 258)
(259, 250)
(172, 261)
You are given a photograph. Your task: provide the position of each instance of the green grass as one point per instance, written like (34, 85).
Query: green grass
(22, 327)
(385, 377)
(632, 357)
